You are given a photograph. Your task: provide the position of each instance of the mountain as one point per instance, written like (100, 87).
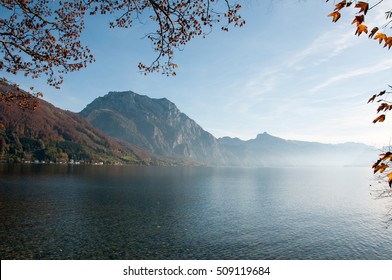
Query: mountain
(155, 125)
(52, 134)
(268, 150)
(126, 127)
(158, 126)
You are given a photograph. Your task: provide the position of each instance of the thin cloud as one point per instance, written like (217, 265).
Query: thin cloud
(381, 66)
(321, 50)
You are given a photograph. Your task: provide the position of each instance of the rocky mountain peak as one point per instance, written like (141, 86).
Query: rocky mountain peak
(156, 125)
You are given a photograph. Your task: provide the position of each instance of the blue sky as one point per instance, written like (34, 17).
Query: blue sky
(289, 71)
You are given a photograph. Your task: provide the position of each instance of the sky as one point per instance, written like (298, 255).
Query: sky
(289, 71)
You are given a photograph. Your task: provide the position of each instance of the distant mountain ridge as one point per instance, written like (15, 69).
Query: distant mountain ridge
(155, 125)
(268, 150)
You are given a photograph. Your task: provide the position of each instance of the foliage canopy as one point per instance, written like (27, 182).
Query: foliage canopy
(379, 33)
(43, 37)
(362, 8)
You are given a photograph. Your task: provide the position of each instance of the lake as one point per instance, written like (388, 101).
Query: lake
(125, 212)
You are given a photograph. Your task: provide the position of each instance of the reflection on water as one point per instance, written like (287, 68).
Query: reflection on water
(122, 212)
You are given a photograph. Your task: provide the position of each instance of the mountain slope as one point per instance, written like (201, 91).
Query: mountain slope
(155, 125)
(52, 134)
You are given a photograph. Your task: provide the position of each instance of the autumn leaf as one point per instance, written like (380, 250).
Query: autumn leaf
(388, 42)
(380, 168)
(382, 93)
(380, 118)
(340, 5)
(335, 16)
(376, 164)
(386, 156)
(364, 7)
(381, 37)
(383, 106)
(374, 30)
(361, 28)
(390, 179)
(372, 98)
(358, 19)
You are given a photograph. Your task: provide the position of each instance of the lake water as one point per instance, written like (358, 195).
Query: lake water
(123, 212)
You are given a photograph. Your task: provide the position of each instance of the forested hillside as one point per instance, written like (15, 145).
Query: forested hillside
(52, 134)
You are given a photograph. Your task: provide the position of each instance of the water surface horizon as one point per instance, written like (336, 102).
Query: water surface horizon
(138, 212)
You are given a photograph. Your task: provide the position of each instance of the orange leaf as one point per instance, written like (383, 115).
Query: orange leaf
(376, 164)
(388, 42)
(361, 28)
(335, 16)
(358, 19)
(380, 168)
(381, 37)
(383, 106)
(340, 5)
(374, 30)
(387, 155)
(380, 118)
(364, 7)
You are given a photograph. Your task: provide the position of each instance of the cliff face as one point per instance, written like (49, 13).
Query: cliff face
(155, 125)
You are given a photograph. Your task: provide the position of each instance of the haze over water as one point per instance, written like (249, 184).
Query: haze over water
(124, 212)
